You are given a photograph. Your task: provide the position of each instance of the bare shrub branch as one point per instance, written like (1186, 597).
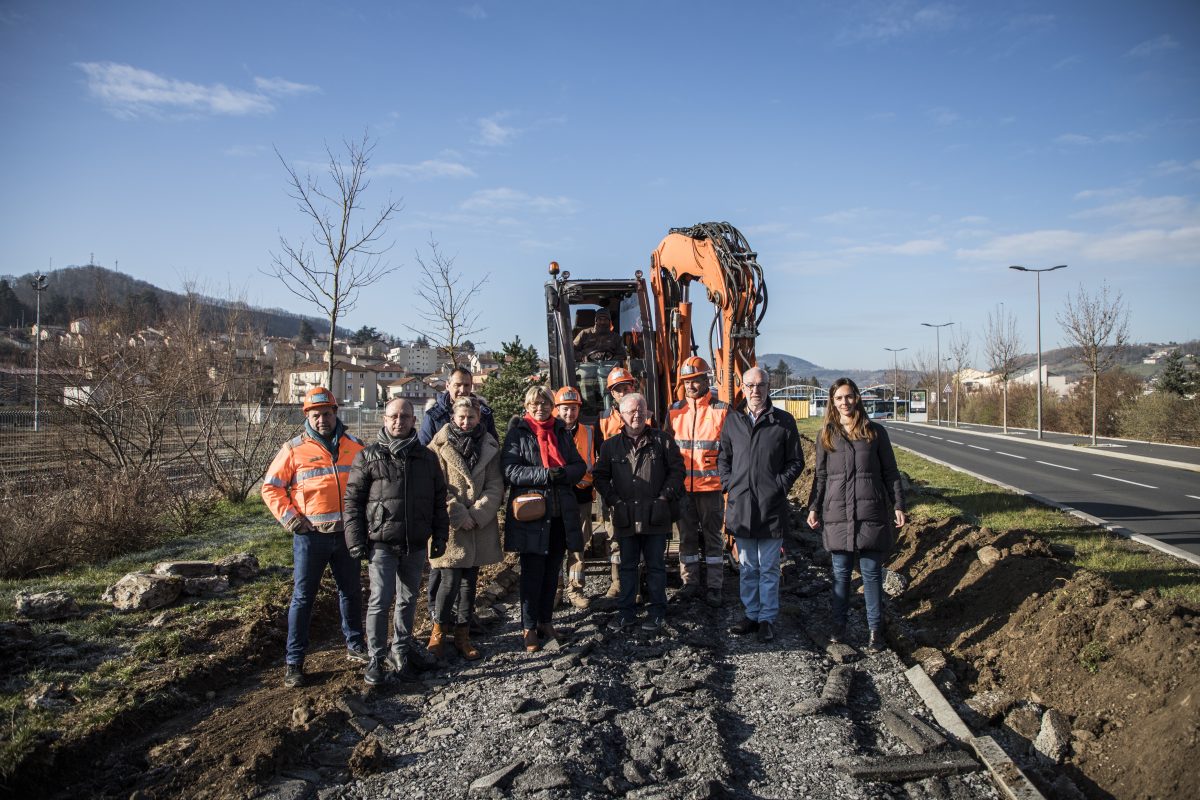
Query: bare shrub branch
(447, 303)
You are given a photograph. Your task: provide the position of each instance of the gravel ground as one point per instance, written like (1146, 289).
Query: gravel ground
(694, 712)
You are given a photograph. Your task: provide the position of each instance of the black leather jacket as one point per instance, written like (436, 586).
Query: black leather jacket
(397, 502)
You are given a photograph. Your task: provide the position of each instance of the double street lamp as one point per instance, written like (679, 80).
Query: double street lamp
(1038, 273)
(937, 392)
(895, 378)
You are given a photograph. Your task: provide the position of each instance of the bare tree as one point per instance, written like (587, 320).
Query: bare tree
(1098, 328)
(1003, 348)
(345, 254)
(920, 370)
(960, 359)
(447, 310)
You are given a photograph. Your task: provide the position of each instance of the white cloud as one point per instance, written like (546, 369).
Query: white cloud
(1021, 247)
(913, 247)
(1165, 211)
(430, 168)
(973, 219)
(1178, 245)
(1176, 167)
(1030, 22)
(506, 199)
(1110, 191)
(1150, 47)
(895, 20)
(1067, 63)
(843, 216)
(1109, 138)
(129, 91)
(474, 11)
(281, 86)
(493, 133)
(943, 116)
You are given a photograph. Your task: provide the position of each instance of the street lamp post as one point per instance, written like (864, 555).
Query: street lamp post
(1038, 273)
(895, 378)
(937, 392)
(39, 285)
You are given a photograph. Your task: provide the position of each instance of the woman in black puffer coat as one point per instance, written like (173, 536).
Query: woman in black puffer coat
(539, 456)
(858, 501)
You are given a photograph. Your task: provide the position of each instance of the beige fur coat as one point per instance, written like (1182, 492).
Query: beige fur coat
(471, 494)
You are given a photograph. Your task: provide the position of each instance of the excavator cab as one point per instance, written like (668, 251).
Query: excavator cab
(571, 310)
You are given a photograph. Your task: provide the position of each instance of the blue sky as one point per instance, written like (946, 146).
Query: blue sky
(888, 160)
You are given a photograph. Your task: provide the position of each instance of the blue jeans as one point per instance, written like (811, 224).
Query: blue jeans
(311, 552)
(392, 575)
(758, 577)
(870, 564)
(653, 548)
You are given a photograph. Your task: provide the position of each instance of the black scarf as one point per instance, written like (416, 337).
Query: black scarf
(397, 446)
(467, 443)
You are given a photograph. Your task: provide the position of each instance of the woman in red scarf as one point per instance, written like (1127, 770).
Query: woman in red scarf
(539, 457)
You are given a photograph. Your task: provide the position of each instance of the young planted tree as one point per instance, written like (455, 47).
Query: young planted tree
(960, 359)
(1003, 348)
(446, 306)
(343, 252)
(1097, 325)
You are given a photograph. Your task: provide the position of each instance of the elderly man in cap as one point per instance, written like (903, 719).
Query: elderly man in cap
(303, 488)
(599, 342)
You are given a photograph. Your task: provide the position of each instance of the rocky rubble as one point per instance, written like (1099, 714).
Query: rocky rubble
(693, 712)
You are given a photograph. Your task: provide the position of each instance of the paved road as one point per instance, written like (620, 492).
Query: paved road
(1182, 454)
(1157, 501)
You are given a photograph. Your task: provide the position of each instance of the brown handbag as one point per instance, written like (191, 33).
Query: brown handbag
(528, 507)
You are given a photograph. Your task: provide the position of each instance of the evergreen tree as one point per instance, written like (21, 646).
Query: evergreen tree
(12, 310)
(306, 333)
(365, 335)
(1174, 377)
(505, 392)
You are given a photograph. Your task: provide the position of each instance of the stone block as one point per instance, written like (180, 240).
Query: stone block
(186, 569)
(54, 604)
(141, 591)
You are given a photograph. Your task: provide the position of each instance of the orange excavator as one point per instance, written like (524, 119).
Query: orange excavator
(651, 328)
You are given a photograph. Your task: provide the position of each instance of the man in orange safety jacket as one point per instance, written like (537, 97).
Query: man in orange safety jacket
(304, 488)
(568, 402)
(696, 423)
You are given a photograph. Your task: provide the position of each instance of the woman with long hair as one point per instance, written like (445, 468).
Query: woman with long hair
(540, 461)
(470, 459)
(857, 502)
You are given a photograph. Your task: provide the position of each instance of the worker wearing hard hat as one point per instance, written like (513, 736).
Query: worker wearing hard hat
(567, 405)
(620, 383)
(696, 422)
(599, 342)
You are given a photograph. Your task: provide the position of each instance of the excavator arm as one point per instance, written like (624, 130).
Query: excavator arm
(716, 255)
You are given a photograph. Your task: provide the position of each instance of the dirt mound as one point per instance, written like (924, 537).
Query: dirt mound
(1013, 619)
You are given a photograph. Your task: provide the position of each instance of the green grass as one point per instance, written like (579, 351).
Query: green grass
(1124, 564)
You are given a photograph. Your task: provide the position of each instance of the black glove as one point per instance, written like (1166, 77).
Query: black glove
(437, 548)
(359, 552)
(558, 475)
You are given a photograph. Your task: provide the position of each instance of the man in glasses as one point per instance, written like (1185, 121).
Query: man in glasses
(759, 459)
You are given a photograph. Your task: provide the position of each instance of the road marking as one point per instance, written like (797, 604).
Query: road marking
(931, 436)
(977, 447)
(1192, 496)
(918, 433)
(1060, 466)
(951, 441)
(1010, 455)
(1122, 480)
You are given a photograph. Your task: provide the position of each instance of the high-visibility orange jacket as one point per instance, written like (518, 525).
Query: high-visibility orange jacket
(611, 425)
(304, 483)
(697, 427)
(585, 443)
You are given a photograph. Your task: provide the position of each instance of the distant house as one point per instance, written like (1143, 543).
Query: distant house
(351, 384)
(411, 388)
(1158, 355)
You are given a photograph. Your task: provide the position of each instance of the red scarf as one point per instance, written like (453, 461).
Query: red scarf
(547, 442)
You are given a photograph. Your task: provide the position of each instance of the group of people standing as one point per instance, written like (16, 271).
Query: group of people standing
(433, 496)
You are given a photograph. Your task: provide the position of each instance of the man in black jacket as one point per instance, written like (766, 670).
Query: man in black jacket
(395, 513)
(459, 384)
(759, 460)
(639, 473)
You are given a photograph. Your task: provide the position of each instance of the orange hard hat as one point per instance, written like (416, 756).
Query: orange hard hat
(318, 397)
(693, 367)
(620, 375)
(568, 395)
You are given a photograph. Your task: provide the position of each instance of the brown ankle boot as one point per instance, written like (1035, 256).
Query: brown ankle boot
(546, 631)
(436, 640)
(462, 642)
(614, 589)
(531, 641)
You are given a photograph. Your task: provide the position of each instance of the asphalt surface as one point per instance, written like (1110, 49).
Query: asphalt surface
(1157, 501)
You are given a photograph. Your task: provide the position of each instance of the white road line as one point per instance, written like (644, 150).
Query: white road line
(951, 441)
(1010, 455)
(1060, 466)
(1122, 480)
(931, 436)
(977, 447)
(1192, 496)
(917, 433)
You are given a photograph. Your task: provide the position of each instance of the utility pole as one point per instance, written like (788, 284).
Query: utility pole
(937, 392)
(1038, 273)
(38, 283)
(895, 378)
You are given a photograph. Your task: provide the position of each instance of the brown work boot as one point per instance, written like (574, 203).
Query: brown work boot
(577, 599)
(436, 640)
(531, 641)
(546, 631)
(614, 589)
(462, 643)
